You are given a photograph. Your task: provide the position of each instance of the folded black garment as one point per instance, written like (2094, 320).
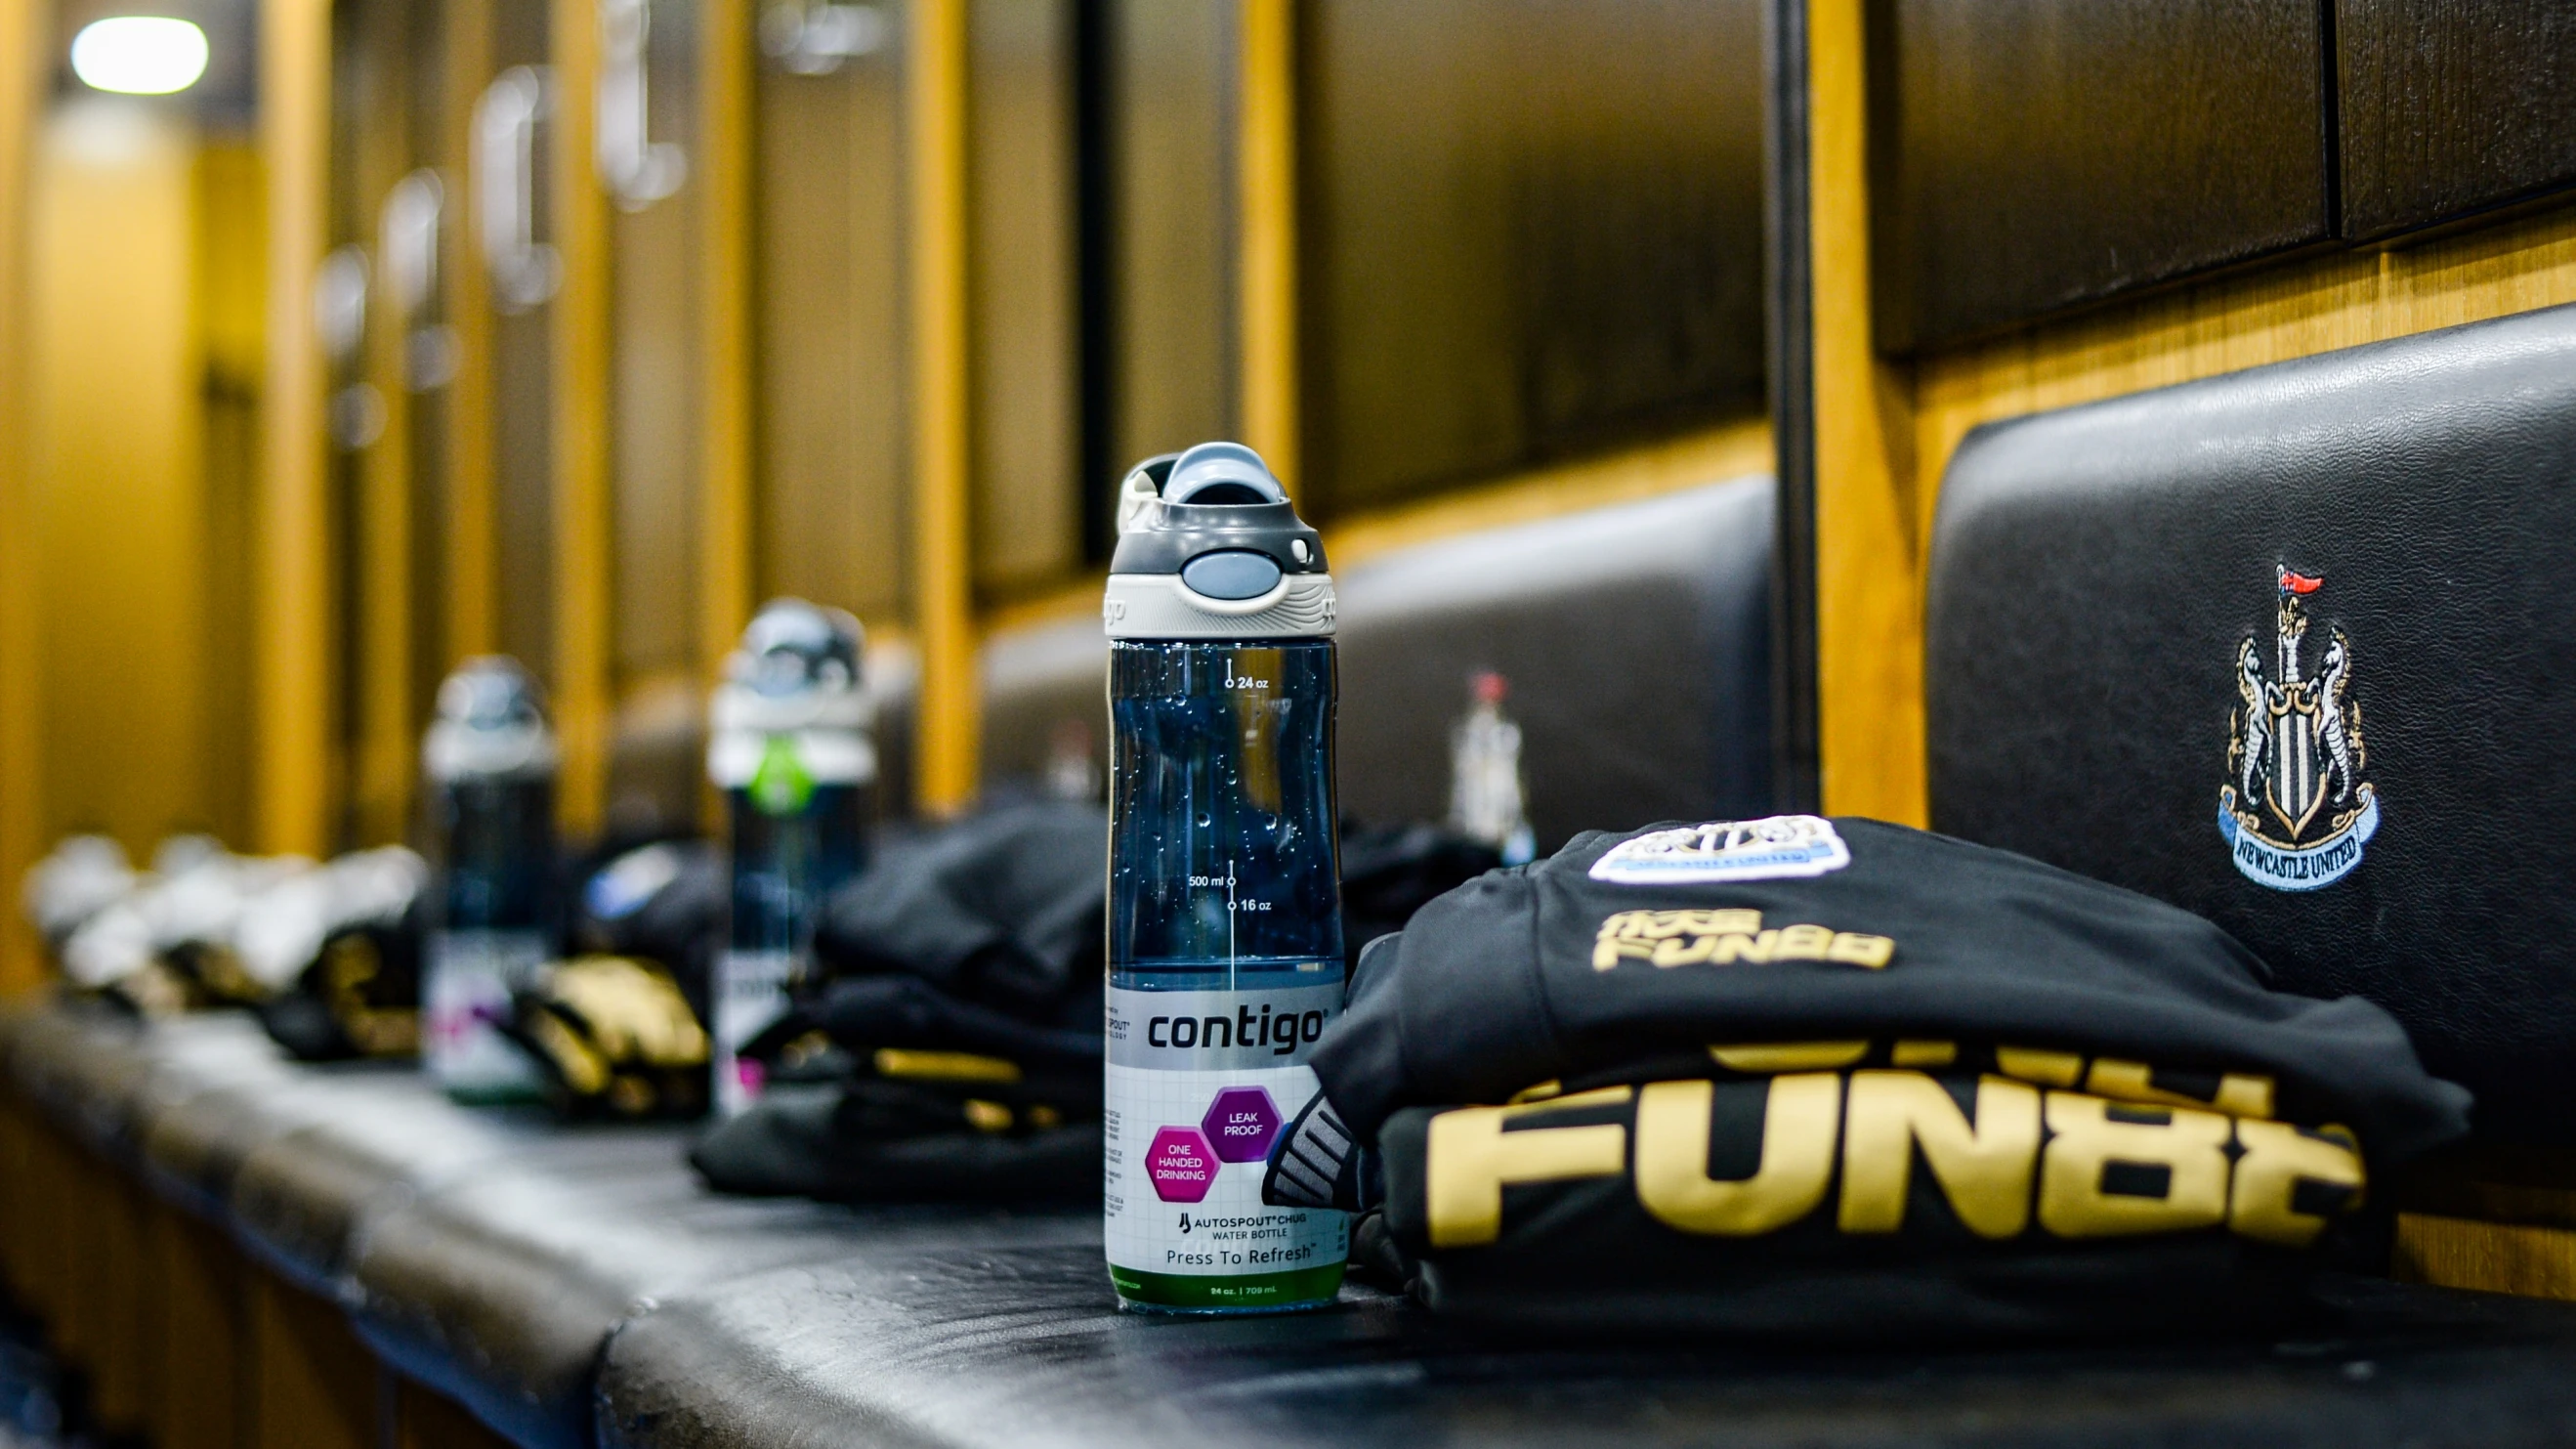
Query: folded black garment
(913, 1126)
(869, 1012)
(1847, 1078)
(1391, 871)
(1002, 910)
(954, 1015)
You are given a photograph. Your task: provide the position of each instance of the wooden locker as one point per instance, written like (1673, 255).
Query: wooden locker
(2450, 108)
(1526, 230)
(2032, 155)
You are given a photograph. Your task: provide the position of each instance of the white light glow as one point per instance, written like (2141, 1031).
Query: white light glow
(139, 55)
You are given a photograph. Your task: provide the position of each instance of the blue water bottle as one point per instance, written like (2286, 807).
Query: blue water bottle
(1225, 935)
(791, 751)
(490, 763)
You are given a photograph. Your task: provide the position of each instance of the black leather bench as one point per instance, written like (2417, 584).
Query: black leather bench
(2089, 604)
(576, 1283)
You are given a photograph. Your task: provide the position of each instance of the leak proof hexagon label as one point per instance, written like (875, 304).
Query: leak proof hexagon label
(1181, 1164)
(1241, 1122)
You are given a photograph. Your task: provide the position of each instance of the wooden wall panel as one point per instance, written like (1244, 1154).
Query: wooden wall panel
(656, 388)
(1023, 290)
(658, 277)
(1527, 230)
(372, 149)
(1172, 340)
(832, 521)
(728, 383)
(935, 270)
(583, 332)
(117, 511)
(2036, 154)
(522, 407)
(2450, 107)
(293, 688)
(24, 36)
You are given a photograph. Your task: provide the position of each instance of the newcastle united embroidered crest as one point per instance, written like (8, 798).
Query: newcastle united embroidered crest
(2296, 811)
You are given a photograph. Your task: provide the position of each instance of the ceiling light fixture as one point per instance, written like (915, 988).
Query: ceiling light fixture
(139, 55)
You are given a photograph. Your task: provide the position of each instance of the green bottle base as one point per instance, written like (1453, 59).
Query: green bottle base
(1295, 1291)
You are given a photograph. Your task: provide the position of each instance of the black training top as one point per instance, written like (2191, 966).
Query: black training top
(1623, 948)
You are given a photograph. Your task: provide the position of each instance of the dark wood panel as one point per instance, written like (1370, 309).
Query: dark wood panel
(1529, 228)
(2451, 107)
(2034, 155)
(1171, 270)
(522, 416)
(654, 514)
(831, 514)
(1026, 330)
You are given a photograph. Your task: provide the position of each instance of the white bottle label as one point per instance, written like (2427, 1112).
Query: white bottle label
(1200, 1086)
(751, 992)
(465, 996)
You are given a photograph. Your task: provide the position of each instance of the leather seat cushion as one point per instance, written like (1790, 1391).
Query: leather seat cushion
(2108, 584)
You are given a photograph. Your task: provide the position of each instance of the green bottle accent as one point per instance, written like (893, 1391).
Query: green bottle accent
(782, 785)
(1296, 1288)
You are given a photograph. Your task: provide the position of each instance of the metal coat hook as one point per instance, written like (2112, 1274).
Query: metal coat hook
(525, 271)
(809, 37)
(637, 170)
(407, 238)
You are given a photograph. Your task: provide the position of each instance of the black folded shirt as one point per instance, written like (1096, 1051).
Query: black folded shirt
(1852, 1077)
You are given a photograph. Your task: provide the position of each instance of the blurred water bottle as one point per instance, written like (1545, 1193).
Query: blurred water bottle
(490, 761)
(790, 750)
(1486, 798)
(1225, 936)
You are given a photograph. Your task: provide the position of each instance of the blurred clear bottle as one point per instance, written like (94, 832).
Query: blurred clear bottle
(1225, 935)
(1487, 801)
(790, 748)
(490, 762)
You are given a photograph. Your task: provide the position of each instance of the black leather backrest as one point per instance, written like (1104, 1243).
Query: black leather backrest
(1636, 640)
(2110, 584)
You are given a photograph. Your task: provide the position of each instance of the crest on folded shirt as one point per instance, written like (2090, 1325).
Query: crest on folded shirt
(2295, 810)
(1781, 847)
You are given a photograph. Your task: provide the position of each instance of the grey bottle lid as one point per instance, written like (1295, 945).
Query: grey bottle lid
(1209, 547)
(490, 725)
(796, 674)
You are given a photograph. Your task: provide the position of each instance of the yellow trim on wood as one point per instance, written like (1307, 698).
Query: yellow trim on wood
(1711, 455)
(22, 769)
(472, 581)
(2534, 1261)
(1267, 187)
(942, 569)
(292, 695)
(1869, 614)
(581, 331)
(2295, 310)
(725, 367)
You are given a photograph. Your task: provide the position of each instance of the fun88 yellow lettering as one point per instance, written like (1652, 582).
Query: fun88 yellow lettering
(2089, 1166)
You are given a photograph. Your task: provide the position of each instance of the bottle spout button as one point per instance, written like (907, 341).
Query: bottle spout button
(1231, 573)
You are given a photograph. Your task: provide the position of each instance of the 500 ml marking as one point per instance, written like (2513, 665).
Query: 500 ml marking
(1233, 905)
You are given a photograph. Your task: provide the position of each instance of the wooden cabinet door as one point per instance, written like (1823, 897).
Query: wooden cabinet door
(2033, 155)
(2452, 107)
